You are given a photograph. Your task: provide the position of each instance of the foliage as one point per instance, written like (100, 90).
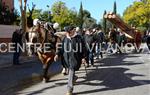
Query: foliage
(104, 23)
(115, 12)
(36, 13)
(63, 15)
(29, 18)
(8, 16)
(108, 26)
(80, 16)
(88, 21)
(39, 14)
(115, 8)
(45, 16)
(138, 14)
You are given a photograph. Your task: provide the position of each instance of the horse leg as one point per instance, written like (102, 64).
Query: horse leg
(47, 61)
(45, 72)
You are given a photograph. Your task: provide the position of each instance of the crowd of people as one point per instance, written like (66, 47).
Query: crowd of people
(85, 44)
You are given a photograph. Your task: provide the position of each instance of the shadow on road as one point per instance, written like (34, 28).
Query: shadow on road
(112, 77)
(114, 60)
(112, 74)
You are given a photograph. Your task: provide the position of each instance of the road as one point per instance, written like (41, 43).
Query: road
(16, 77)
(126, 74)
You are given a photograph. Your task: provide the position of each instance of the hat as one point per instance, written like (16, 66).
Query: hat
(69, 28)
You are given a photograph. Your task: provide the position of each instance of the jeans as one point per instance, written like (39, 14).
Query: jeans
(71, 77)
(90, 58)
(99, 50)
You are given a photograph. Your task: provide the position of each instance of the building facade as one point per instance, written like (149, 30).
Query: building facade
(6, 30)
(9, 3)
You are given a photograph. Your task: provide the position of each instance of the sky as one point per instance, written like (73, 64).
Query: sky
(95, 7)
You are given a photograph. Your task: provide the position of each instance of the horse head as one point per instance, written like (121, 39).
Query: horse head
(33, 36)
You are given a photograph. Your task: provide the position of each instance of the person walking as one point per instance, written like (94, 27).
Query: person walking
(17, 40)
(73, 55)
(113, 40)
(90, 45)
(100, 37)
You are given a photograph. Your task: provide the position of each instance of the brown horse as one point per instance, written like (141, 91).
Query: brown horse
(42, 35)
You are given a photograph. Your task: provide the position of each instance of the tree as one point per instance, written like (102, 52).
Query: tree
(36, 13)
(23, 14)
(29, 18)
(115, 12)
(8, 16)
(138, 14)
(80, 16)
(39, 14)
(88, 21)
(104, 22)
(115, 8)
(15, 17)
(63, 15)
(45, 16)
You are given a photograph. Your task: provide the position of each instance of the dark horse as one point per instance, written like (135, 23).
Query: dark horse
(43, 34)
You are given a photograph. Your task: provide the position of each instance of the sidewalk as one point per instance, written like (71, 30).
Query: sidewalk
(21, 75)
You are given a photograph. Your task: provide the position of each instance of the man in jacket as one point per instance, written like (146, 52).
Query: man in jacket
(90, 42)
(17, 40)
(73, 53)
(100, 37)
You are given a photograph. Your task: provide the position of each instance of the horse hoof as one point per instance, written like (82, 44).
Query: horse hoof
(45, 80)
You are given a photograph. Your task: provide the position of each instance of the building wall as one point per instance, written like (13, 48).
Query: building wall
(6, 32)
(9, 3)
(5, 40)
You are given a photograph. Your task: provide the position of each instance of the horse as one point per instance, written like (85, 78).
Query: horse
(43, 34)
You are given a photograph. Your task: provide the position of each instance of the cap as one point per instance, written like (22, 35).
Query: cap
(69, 28)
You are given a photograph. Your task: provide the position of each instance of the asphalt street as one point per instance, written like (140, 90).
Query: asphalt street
(125, 74)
